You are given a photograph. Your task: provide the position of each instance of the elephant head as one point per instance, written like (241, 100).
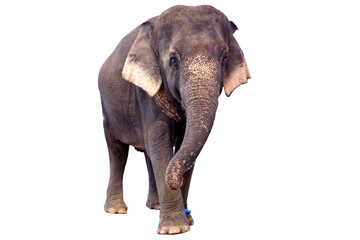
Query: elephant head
(193, 53)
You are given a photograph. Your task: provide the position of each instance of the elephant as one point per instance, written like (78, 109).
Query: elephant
(159, 93)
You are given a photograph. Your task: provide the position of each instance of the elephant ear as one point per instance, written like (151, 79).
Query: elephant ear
(141, 65)
(237, 71)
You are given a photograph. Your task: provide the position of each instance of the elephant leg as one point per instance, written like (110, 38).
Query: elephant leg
(118, 153)
(153, 197)
(159, 147)
(185, 192)
(187, 180)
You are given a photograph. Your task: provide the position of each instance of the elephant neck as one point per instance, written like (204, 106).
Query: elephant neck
(167, 106)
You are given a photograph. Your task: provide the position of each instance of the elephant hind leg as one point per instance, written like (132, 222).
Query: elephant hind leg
(118, 153)
(153, 197)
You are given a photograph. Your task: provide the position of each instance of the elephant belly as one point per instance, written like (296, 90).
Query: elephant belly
(126, 126)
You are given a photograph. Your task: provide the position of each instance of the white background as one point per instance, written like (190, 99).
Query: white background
(282, 161)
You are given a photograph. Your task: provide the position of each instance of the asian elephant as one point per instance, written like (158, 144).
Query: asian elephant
(159, 93)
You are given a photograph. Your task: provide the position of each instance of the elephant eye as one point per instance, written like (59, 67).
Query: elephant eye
(224, 60)
(174, 62)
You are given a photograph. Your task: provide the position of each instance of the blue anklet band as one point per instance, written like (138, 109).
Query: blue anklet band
(187, 211)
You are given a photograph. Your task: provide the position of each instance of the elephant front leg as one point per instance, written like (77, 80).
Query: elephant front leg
(172, 216)
(187, 177)
(185, 193)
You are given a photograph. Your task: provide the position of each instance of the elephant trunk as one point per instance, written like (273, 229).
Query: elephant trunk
(200, 106)
(199, 121)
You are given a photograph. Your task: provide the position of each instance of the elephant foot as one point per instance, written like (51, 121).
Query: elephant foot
(173, 223)
(115, 205)
(190, 219)
(153, 202)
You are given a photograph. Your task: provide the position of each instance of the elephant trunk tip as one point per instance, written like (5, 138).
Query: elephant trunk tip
(174, 181)
(176, 170)
(174, 175)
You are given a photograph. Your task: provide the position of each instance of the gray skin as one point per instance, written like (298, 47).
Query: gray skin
(159, 91)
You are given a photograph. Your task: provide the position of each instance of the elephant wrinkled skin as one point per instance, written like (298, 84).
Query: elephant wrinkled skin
(159, 90)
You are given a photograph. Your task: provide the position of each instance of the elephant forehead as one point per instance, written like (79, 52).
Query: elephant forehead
(190, 20)
(200, 66)
(191, 12)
